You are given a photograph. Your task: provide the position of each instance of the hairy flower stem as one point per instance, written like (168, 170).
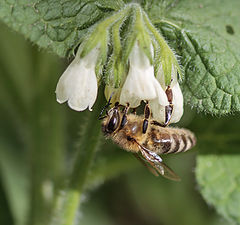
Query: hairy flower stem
(69, 199)
(100, 33)
(167, 53)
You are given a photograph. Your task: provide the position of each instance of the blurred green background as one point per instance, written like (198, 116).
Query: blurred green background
(38, 139)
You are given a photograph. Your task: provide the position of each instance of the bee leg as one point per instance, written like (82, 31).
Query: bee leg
(150, 156)
(126, 109)
(168, 108)
(151, 169)
(102, 117)
(146, 117)
(168, 114)
(154, 122)
(124, 117)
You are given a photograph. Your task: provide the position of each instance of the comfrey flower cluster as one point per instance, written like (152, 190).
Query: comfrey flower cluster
(140, 67)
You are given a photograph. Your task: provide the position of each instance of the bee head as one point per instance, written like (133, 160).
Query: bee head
(112, 121)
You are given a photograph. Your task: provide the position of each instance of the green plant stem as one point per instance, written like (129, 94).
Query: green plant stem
(100, 32)
(89, 146)
(69, 199)
(45, 139)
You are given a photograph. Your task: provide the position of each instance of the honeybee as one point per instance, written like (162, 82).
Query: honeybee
(146, 138)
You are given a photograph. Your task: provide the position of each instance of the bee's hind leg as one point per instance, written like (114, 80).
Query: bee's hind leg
(146, 117)
(168, 108)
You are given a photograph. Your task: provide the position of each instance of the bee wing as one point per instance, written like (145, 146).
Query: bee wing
(156, 162)
(158, 167)
(165, 171)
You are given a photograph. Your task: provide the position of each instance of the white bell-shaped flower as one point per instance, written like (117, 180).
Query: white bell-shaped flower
(78, 84)
(141, 83)
(158, 110)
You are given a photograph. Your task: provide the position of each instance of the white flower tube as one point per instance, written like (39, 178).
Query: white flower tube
(140, 83)
(78, 84)
(177, 103)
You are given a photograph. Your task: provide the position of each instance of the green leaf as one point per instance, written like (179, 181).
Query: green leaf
(218, 170)
(53, 24)
(112, 5)
(205, 35)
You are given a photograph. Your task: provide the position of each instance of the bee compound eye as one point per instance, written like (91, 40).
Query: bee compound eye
(113, 122)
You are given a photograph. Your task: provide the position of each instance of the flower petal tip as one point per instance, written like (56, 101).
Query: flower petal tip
(76, 107)
(60, 101)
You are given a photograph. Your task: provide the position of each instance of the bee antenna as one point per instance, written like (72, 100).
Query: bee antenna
(105, 107)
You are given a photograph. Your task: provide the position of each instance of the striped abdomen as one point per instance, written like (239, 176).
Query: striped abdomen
(169, 140)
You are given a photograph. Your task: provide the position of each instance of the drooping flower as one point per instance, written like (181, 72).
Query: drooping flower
(158, 110)
(133, 84)
(78, 84)
(140, 83)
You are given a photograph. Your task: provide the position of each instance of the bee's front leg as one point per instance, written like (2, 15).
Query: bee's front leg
(124, 117)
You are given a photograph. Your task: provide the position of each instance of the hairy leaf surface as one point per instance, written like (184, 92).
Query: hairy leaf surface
(205, 35)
